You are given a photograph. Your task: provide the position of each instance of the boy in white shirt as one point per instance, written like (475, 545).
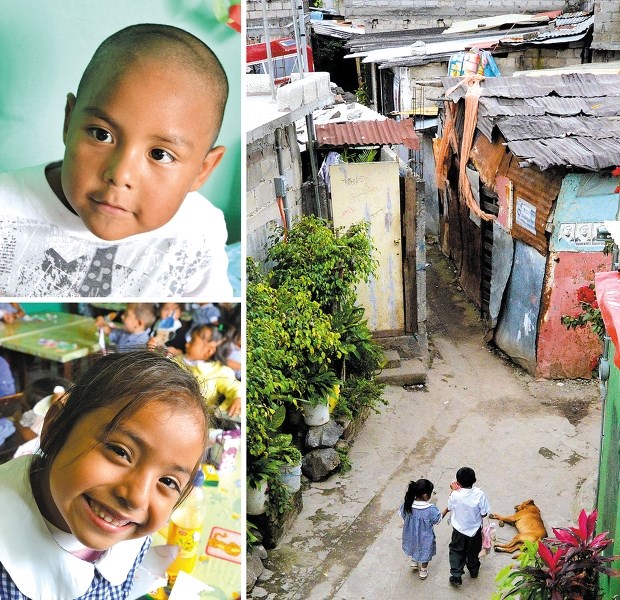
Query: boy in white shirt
(468, 505)
(120, 215)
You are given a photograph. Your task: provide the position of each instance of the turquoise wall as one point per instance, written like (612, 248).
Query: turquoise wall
(44, 48)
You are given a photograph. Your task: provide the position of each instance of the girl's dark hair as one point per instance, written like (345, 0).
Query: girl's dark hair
(131, 380)
(417, 489)
(215, 334)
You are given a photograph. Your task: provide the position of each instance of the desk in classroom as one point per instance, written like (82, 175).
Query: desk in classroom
(59, 337)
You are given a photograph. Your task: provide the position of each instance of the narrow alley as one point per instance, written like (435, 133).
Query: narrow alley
(524, 438)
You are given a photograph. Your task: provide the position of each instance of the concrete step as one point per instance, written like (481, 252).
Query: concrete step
(392, 358)
(410, 372)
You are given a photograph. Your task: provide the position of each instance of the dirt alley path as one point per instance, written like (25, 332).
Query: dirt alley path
(525, 439)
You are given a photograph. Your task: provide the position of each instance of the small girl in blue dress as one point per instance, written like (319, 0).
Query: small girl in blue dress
(420, 516)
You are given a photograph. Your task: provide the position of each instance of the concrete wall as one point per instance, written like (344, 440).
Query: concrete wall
(261, 206)
(387, 15)
(606, 25)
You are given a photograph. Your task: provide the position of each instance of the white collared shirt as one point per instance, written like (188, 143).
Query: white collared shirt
(468, 506)
(36, 562)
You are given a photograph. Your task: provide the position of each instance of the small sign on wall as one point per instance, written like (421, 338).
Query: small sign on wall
(526, 215)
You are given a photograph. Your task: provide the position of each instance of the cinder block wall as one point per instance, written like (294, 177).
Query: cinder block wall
(261, 206)
(607, 26)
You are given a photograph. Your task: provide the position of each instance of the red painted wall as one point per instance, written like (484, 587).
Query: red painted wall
(563, 353)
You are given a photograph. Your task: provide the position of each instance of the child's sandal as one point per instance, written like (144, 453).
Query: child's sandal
(414, 565)
(423, 573)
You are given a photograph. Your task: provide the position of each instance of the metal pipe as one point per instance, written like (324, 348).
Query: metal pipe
(280, 182)
(272, 83)
(313, 165)
(297, 38)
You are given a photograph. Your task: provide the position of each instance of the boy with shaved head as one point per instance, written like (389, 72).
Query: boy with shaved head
(120, 215)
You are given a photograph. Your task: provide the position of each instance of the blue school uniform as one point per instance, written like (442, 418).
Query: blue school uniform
(418, 534)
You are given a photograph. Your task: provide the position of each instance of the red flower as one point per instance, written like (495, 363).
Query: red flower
(234, 17)
(586, 294)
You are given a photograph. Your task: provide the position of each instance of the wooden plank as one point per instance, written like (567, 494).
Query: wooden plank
(409, 254)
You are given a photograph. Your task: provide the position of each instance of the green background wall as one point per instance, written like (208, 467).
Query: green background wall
(44, 48)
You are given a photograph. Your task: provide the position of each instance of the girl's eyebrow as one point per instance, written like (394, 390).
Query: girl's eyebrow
(176, 140)
(142, 444)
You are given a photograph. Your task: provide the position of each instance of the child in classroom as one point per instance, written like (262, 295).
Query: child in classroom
(205, 358)
(169, 330)
(137, 322)
(420, 516)
(120, 214)
(468, 505)
(118, 453)
(10, 311)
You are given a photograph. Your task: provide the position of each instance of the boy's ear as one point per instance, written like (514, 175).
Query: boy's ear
(69, 106)
(211, 161)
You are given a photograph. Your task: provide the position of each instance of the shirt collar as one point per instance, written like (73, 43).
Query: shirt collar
(25, 538)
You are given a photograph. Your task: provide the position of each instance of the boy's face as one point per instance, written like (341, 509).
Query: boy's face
(131, 322)
(136, 142)
(170, 309)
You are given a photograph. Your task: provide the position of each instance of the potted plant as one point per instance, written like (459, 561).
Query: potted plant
(564, 566)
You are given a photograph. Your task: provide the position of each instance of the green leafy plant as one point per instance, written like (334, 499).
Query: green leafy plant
(362, 95)
(359, 156)
(328, 262)
(563, 567)
(345, 461)
(357, 394)
(590, 313)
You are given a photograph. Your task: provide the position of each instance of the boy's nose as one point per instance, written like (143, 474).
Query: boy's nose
(121, 168)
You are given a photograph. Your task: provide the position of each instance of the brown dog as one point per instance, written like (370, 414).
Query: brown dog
(529, 525)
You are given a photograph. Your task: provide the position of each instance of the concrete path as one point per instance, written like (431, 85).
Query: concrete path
(525, 439)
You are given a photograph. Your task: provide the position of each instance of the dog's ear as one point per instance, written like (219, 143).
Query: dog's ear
(530, 501)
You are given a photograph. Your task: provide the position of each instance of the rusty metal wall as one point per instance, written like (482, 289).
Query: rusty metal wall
(533, 194)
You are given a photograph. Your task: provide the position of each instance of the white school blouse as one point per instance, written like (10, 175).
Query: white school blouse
(38, 566)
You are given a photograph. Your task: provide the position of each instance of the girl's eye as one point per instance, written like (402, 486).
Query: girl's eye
(161, 155)
(118, 450)
(101, 135)
(171, 483)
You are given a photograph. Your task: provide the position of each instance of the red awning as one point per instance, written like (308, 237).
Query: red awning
(367, 133)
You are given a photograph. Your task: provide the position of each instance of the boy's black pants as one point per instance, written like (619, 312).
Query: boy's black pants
(464, 551)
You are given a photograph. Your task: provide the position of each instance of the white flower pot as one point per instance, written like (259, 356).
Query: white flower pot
(316, 415)
(291, 477)
(256, 499)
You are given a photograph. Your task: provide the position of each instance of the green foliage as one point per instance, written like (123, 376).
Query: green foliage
(359, 156)
(589, 314)
(365, 357)
(302, 325)
(345, 461)
(357, 394)
(328, 263)
(362, 95)
(564, 566)
(251, 537)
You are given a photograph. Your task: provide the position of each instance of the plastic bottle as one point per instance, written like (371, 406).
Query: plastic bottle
(184, 530)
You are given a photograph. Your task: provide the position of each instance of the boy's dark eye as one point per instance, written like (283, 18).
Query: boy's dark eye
(101, 135)
(161, 155)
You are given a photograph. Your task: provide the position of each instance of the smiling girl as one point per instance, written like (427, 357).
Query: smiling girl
(118, 454)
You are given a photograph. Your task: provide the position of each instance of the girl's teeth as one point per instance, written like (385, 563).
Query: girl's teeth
(106, 517)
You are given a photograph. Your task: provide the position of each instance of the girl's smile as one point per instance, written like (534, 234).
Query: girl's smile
(108, 488)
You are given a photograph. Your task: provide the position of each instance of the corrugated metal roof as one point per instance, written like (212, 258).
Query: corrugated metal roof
(570, 120)
(367, 133)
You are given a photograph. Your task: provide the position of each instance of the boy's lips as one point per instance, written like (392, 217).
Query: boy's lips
(108, 206)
